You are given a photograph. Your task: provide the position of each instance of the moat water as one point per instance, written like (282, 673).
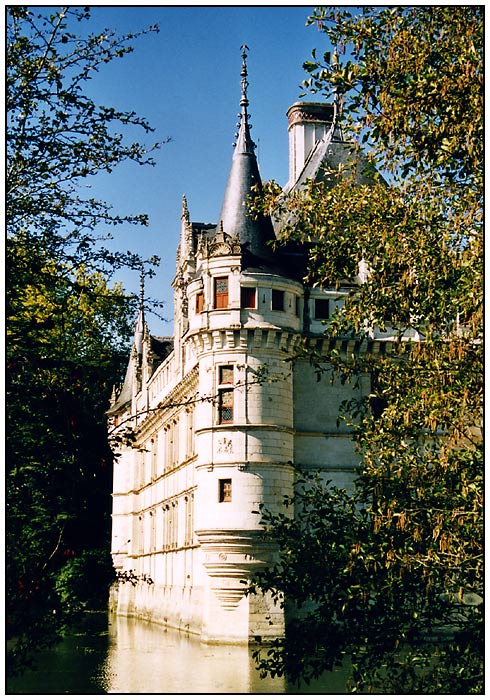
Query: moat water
(122, 655)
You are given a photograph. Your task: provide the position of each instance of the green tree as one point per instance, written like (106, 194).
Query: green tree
(67, 326)
(57, 136)
(393, 571)
(65, 351)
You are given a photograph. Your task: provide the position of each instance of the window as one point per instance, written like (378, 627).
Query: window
(190, 433)
(152, 532)
(297, 306)
(225, 374)
(277, 300)
(189, 519)
(248, 298)
(171, 445)
(225, 394)
(154, 458)
(174, 527)
(321, 308)
(170, 526)
(221, 293)
(199, 302)
(140, 466)
(224, 491)
(225, 406)
(167, 523)
(141, 535)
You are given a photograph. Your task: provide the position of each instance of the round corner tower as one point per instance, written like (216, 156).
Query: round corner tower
(243, 323)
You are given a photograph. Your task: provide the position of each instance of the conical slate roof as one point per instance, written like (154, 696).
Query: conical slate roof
(234, 218)
(125, 395)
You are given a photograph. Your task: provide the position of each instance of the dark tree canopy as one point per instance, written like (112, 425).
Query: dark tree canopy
(67, 327)
(394, 570)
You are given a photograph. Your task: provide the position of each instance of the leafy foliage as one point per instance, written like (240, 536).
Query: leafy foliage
(58, 136)
(65, 351)
(71, 582)
(67, 327)
(394, 570)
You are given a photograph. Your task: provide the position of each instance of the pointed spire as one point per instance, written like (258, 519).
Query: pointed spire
(185, 210)
(140, 321)
(243, 177)
(132, 380)
(142, 291)
(244, 143)
(244, 81)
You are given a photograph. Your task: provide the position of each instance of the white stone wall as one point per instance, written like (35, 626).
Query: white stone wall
(303, 137)
(173, 482)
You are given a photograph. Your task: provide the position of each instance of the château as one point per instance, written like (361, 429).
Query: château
(220, 415)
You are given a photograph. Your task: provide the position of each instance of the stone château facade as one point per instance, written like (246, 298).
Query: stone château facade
(221, 418)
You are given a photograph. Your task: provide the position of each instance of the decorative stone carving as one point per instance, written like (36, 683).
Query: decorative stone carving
(219, 245)
(225, 446)
(230, 559)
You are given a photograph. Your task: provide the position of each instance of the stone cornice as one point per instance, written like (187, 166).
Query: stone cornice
(240, 427)
(245, 339)
(349, 346)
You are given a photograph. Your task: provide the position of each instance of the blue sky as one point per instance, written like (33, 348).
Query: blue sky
(186, 82)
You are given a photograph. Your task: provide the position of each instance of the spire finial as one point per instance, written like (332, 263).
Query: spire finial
(244, 143)
(243, 73)
(142, 289)
(235, 218)
(185, 209)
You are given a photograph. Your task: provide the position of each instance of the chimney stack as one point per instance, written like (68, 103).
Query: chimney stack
(308, 122)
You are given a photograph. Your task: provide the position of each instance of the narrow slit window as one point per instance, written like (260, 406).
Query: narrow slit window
(224, 493)
(199, 302)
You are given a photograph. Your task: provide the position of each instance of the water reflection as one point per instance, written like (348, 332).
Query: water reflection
(124, 655)
(145, 658)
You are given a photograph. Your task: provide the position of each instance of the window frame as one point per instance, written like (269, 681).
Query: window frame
(199, 302)
(220, 299)
(225, 490)
(244, 301)
(225, 389)
(319, 315)
(278, 294)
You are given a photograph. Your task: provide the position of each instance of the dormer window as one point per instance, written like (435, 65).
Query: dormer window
(221, 293)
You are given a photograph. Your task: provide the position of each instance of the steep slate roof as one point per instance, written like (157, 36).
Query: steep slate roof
(124, 396)
(234, 218)
(161, 346)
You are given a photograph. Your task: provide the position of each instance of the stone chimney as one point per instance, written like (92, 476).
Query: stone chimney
(308, 122)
